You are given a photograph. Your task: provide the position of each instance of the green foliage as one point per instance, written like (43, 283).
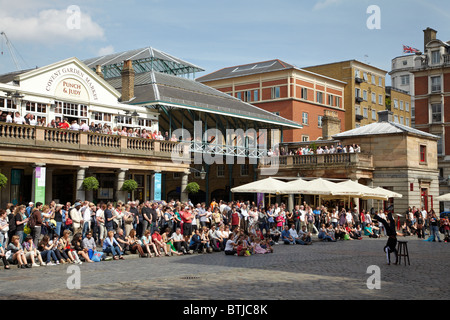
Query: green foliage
(193, 188)
(90, 183)
(129, 185)
(3, 180)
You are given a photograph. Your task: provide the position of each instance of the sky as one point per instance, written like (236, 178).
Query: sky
(216, 34)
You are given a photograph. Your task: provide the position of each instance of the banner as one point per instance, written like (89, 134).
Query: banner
(39, 185)
(157, 186)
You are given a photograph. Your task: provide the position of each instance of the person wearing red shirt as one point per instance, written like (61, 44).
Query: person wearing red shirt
(157, 240)
(234, 219)
(64, 124)
(186, 217)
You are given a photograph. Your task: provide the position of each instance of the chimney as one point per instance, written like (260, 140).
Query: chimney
(385, 116)
(98, 71)
(331, 125)
(127, 80)
(429, 34)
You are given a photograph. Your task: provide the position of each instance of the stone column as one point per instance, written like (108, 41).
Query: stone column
(184, 182)
(49, 185)
(290, 205)
(81, 174)
(120, 179)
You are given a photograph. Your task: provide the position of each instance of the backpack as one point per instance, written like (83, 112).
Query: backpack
(32, 222)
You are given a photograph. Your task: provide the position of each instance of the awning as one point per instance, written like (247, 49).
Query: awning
(269, 185)
(444, 197)
(366, 191)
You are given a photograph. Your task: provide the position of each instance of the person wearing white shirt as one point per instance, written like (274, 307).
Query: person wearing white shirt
(18, 119)
(33, 121)
(86, 213)
(9, 118)
(244, 216)
(74, 126)
(350, 149)
(293, 233)
(302, 216)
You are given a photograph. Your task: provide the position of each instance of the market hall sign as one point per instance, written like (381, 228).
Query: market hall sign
(71, 87)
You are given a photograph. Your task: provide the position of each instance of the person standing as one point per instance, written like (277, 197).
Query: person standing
(434, 226)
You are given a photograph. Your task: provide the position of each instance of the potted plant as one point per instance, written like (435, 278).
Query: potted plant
(192, 188)
(129, 185)
(3, 180)
(90, 183)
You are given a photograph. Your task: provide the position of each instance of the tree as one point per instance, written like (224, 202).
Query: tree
(3, 180)
(192, 188)
(129, 185)
(90, 183)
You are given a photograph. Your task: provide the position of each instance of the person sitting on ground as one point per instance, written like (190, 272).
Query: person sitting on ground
(46, 251)
(31, 252)
(303, 237)
(258, 249)
(17, 254)
(110, 245)
(135, 244)
(195, 243)
(147, 244)
(89, 243)
(368, 231)
(157, 240)
(65, 246)
(3, 257)
(78, 248)
(242, 250)
(324, 235)
(286, 236)
(230, 247)
(122, 240)
(179, 242)
(168, 242)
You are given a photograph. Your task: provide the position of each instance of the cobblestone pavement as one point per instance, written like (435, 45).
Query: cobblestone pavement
(320, 271)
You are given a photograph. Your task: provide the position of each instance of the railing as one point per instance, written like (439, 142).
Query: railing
(96, 142)
(296, 161)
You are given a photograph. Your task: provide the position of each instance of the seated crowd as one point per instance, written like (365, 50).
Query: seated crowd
(51, 234)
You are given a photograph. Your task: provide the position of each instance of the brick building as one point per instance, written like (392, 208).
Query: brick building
(285, 90)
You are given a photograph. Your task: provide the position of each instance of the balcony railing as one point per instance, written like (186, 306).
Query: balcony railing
(316, 160)
(35, 136)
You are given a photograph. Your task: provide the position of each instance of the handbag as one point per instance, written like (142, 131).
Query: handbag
(69, 222)
(97, 256)
(129, 220)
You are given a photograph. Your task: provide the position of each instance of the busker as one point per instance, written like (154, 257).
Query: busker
(391, 245)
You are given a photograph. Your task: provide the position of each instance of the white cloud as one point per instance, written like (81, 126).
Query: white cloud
(106, 50)
(324, 4)
(50, 26)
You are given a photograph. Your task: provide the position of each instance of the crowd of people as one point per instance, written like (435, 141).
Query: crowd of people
(52, 234)
(81, 125)
(310, 150)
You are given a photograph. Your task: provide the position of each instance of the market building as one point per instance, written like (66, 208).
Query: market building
(138, 89)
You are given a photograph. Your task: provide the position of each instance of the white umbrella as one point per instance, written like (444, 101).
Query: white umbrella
(444, 197)
(365, 191)
(297, 186)
(390, 194)
(269, 185)
(325, 187)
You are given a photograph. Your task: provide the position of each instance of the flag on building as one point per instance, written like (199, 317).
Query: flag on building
(407, 49)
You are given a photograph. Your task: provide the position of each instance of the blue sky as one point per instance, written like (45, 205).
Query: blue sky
(216, 34)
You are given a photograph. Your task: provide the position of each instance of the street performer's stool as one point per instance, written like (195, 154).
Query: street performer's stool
(402, 250)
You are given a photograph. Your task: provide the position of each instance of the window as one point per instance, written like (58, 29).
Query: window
(275, 92)
(435, 57)
(395, 104)
(304, 118)
(396, 118)
(141, 122)
(319, 98)
(436, 84)
(176, 175)
(330, 99)
(124, 120)
(374, 98)
(440, 145)
(374, 114)
(248, 96)
(404, 80)
(401, 105)
(413, 112)
(244, 169)
(436, 113)
(401, 120)
(407, 122)
(407, 106)
(338, 102)
(365, 76)
(373, 80)
(365, 113)
(423, 154)
(239, 95)
(357, 73)
(319, 121)
(365, 95)
(220, 170)
(305, 93)
(357, 110)
(380, 81)
(357, 92)
(380, 99)
(305, 138)
(256, 95)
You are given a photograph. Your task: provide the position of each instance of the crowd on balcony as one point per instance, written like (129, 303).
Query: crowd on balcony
(30, 119)
(311, 150)
(51, 234)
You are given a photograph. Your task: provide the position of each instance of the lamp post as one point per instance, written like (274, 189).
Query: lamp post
(16, 98)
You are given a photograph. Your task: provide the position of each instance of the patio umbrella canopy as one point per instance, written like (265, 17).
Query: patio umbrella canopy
(366, 192)
(390, 194)
(327, 188)
(269, 185)
(444, 197)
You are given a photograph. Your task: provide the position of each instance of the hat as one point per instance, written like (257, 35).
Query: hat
(77, 204)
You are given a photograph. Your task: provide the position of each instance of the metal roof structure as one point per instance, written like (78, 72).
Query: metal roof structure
(384, 127)
(153, 88)
(144, 60)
